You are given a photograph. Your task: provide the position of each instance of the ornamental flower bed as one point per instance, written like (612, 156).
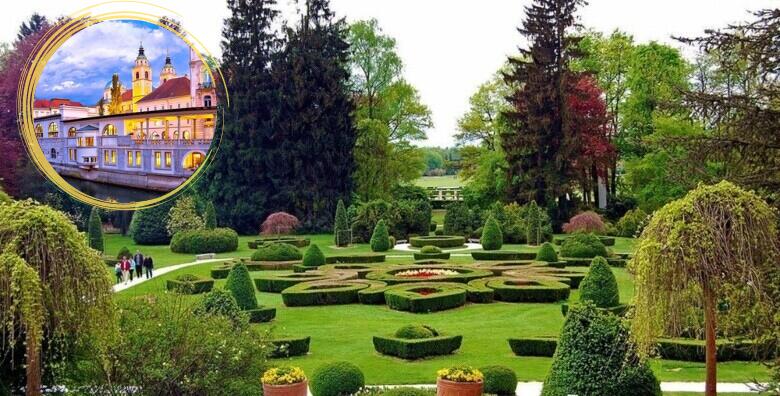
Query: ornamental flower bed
(426, 273)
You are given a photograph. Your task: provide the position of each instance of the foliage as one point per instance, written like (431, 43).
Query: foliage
(406, 215)
(595, 356)
(95, 230)
(341, 228)
(240, 286)
(538, 228)
(492, 238)
(313, 257)
(585, 222)
(217, 240)
(583, 246)
(221, 302)
(547, 253)
(460, 374)
(413, 332)
(600, 286)
(148, 226)
(485, 171)
(460, 220)
(483, 123)
(279, 223)
(367, 215)
(380, 241)
(210, 216)
(283, 376)
(183, 216)
(428, 249)
(499, 380)
(123, 252)
(336, 379)
(277, 252)
(632, 223)
(417, 348)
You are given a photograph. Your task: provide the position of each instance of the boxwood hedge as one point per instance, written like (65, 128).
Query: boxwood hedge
(691, 350)
(261, 314)
(356, 258)
(189, 284)
(286, 347)
(499, 380)
(217, 240)
(528, 290)
(277, 283)
(290, 240)
(503, 255)
(277, 252)
(534, 346)
(419, 298)
(322, 293)
(417, 348)
(432, 256)
(442, 241)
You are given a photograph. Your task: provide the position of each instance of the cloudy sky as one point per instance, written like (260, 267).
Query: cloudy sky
(450, 46)
(82, 66)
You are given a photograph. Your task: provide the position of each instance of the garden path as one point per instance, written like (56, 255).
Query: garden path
(162, 271)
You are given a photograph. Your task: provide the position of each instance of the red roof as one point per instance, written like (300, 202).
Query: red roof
(54, 103)
(172, 88)
(127, 95)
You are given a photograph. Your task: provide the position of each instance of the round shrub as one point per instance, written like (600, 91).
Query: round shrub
(277, 252)
(414, 332)
(581, 245)
(547, 253)
(492, 238)
(220, 302)
(600, 286)
(430, 249)
(217, 240)
(239, 283)
(407, 391)
(313, 256)
(499, 380)
(123, 252)
(585, 222)
(336, 379)
(148, 226)
(632, 223)
(380, 240)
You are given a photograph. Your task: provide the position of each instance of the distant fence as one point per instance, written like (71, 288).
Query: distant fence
(443, 195)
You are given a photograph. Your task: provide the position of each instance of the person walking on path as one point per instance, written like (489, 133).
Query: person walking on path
(148, 266)
(131, 264)
(118, 272)
(139, 263)
(125, 265)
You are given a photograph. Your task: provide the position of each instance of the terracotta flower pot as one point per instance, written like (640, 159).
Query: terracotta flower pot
(299, 389)
(451, 388)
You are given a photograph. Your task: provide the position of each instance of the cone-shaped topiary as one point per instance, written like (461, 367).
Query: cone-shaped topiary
(123, 252)
(240, 285)
(600, 286)
(313, 256)
(380, 240)
(336, 379)
(210, 216)
(595, 357)
(547, 253)
(95, 230)
(341, 231)
(499, 380)
(492, 238)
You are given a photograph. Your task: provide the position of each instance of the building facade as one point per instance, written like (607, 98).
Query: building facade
(155, 139)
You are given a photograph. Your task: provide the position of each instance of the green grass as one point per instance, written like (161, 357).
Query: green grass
(439, 181)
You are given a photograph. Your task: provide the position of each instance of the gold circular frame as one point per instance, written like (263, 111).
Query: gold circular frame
(40, 56)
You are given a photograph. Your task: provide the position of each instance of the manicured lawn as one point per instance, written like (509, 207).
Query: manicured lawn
(439, 181)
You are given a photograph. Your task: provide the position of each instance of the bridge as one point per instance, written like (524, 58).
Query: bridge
(445, 194)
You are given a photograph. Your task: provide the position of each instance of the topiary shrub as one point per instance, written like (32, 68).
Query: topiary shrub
(430, 249)
(220, 302)
(380, 240)
(217, 240)
(123, 252)
(632, 223)
(499, 380)
(341, 232)
(277, 252)
(600, 286)
(414, 332)
(336, 379)
(547, 253)
(239, 283)
(581, 245)
(95, 230)
(210, 216)
(492, 238)
(148, 226)
(594, 357)
(585, 222)
(313, 256)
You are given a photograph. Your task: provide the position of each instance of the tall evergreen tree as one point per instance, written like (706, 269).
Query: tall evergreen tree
(538, 144)
(95, 230)
(236, 182)
(314, 133)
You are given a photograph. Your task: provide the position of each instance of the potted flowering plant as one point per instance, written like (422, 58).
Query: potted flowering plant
(284, 381)
(459, 381)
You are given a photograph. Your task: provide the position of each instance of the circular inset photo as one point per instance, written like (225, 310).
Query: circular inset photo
(125, 111)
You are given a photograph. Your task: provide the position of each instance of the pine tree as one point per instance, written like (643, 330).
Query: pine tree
(314, 134)
(210, 216)
(95, 230)
(538, 146)
(341, 229)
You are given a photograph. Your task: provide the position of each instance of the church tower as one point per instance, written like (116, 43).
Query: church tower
(168, 71)
(142, 77)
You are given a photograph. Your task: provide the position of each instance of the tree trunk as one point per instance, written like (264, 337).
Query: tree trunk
(710, 347)
(33, 370)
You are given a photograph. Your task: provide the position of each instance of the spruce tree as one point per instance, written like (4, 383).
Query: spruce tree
(95, 230)
(538, 145)
(210, 216)
(341, 227)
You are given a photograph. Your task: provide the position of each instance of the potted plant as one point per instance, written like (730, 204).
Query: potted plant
(284, 381)
(459, 381)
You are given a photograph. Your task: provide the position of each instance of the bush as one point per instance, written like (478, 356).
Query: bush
(95, 230)
(413, 217)
(533, 291)
(210, 216)
(367, 215)
(277, 252)
(341, 231)
(429, 249)
(298, 242)
(537, 224)
(313, 256)
(332, 293)
(148, 226)
(240, 286)
(460, 220)
(277, 283)
(123, 252)
(547, 253)
(503, 255)
(600, 286)
(183, 216)
(380, 240)
(261, 315)
(582, 245)
(534, 346)
(417, 348)
(189, 284)
(406, 297)
(585, 222)
(441, 241)
(413, 332)
(492, 238)
(217, 240)
(433, 226)
(499, 380)
(594, 356)
(691, 350)
(336, 379)
(220, 302)
(356, 258)
(632, 223)
(287, 347)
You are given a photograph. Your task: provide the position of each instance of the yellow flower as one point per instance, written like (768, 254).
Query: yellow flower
(460, 374)
(283, 376)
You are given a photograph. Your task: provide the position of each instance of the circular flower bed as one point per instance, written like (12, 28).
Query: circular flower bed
(444, 273)
(426, 273)
(441, 241)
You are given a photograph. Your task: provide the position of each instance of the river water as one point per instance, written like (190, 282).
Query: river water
(110, 192)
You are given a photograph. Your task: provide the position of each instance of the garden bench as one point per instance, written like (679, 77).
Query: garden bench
(205, 256)
(473, 240)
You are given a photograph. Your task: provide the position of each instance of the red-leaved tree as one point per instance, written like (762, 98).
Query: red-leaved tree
(585, 222)
(279, 223)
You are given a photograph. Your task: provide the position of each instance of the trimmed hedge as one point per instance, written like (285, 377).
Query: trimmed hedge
(380, 239)
(583, 246)
(277, 283)
(287, 347)
(221, 271)
(322, 293)
(528, 290)
(123, 252)
(407, 297)
(189, 284)
(240, 285)
(414, 332)
(503, 255)
(295, 241)
(411, 349)
(585, 262)
(277, 252)
(441, 241)
(606, 240)
(492, 238)
(619, 310)
(261, 314)
(690, 350)
(313, 256)
(547, 253)
(217, 240)
(499, 380)
(356, 258)
(600, 286)
(432, 256)
(430, 249)
(534, 346)
(336, 379)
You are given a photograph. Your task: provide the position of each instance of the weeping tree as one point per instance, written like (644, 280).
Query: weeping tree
(76, 305)
(693, 254)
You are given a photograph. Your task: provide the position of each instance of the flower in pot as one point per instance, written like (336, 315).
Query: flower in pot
(459, 381)
(284, 381)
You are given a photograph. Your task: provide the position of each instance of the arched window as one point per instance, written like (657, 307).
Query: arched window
(53, 154)
(146, 75)
(207, 101)
(137, 75)
(38, 130)
(72, 132)
(109, 130)
(54, 129)
(185, 135)
(176, 134)
(193, 160)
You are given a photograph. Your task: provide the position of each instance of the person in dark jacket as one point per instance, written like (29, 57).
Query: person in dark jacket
(139, 263)
(148, 266)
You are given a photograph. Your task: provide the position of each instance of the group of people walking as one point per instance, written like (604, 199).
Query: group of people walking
(138, 264)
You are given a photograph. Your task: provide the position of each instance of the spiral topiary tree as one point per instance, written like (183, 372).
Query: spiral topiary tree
(547, 253)
(600, 286)
(380, 240)
(239, 283)
(95, 230)
(492, 238)
(692, 252)
(313, 256)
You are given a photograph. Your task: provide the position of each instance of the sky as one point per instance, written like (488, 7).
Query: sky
(449, 47)
(81, 67)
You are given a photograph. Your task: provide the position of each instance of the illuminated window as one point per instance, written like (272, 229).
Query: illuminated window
(54, 129)
(157, 159)
(38, 130)
(109, 130)
(137, 158)
(185, 135)
(113, 157)
(72, 132)
(130, 158)
(72, 154)
(105, 156)
(167, 159)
